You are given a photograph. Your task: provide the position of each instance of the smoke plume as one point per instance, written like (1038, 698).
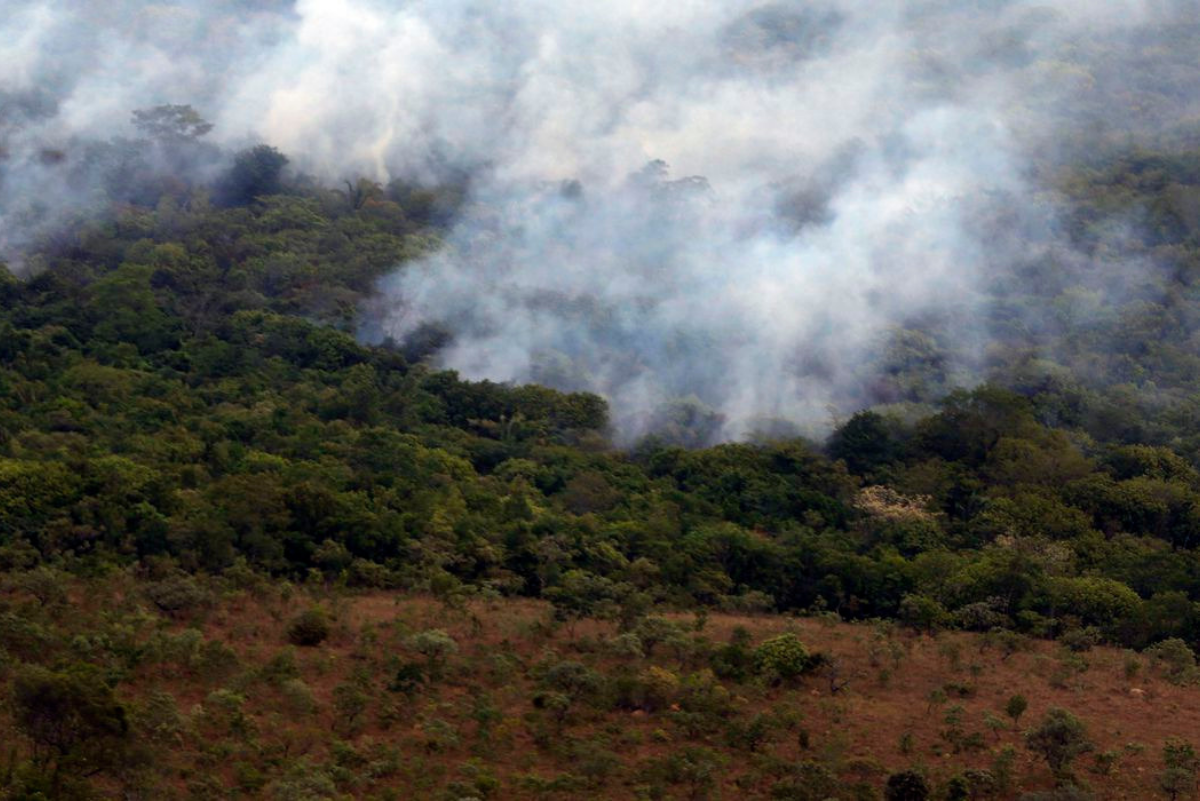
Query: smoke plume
(724, 215)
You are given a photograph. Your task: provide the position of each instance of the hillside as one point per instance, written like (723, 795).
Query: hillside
(454, 400)
(411, 697)
(182, 396)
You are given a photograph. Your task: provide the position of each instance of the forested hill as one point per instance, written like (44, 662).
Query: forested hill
(841, 436)
(181, 387)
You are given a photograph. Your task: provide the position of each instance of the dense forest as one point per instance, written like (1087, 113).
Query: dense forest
(182, 385)
(254, 543)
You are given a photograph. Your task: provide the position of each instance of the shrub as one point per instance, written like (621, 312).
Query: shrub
(734, 661)
(1058, 739)
(309, 628)
(748, 735)
(981, 615)
(659, 687)
(1015, 707)
(922, 613)
(436, 646)
(958, 789)
(1080, 640)
(73, 719)
(350, 701)
(907, 785)
(1175, 659)
(158, 718)
(701, 692)
(652, 631)
(1176, 782)
(809, 781)
(782, 658)
(574, 679)
(697, 768)
(280, 668)
(1179, 753)
(176, 595)
(1105, 763)
(981, 783)
(408, 679)
(298, 697)
(1181, 762)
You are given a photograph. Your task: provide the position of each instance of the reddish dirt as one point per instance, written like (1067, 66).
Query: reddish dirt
(861, 727)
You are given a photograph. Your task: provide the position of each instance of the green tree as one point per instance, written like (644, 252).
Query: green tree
(1181, 764)
(865, 443)
(1015, 706)
(782, 658)
(256, 172)
(437, 647)
(77, 726)
(1059, 739)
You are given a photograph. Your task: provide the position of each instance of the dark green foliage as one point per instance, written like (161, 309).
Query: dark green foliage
(1181, 765)
(255, 173)
(309, 628)
(907, 785)
(735, 660)
(177, 594)
(866, 442)
(77, 726)
(408, 679)
(1080, 640)
(958, 789)
(1015, 707)
(694, 768)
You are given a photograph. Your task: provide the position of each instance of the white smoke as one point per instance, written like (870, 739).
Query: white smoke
(848, 152)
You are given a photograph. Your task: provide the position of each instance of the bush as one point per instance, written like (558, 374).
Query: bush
(72, 716)
(981, 616)
(1058, 739)
(734, 661)
(1015, 707)
(782, 658)
(408, 679)
(176, 595)
(309, 628)
(907, 785)
(809, 781)
(1175, 659)
(437, 647)
(1080, 640)
(922, 613)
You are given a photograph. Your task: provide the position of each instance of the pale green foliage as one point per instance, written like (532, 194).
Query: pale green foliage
(436, 646)
(783, 657)
(1175, 659)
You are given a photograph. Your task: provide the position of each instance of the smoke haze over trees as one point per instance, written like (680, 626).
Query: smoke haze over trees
(726, 217)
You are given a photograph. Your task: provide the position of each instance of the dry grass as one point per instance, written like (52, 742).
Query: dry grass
(889, 716)
(889, 713)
